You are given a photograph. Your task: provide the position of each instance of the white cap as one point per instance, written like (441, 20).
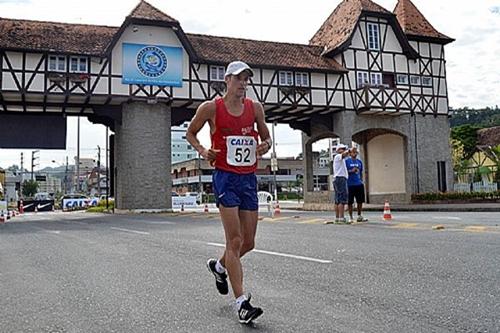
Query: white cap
(236, 67)
(340, 146)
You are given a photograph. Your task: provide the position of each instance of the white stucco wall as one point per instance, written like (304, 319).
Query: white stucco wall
(386, 164)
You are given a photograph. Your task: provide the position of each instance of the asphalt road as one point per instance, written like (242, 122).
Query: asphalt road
(79, 272)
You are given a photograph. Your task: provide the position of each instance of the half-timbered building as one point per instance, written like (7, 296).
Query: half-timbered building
(368, 75)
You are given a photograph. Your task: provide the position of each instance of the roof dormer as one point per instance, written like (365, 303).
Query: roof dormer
(416, 26)
(148, 15)
(336, 32)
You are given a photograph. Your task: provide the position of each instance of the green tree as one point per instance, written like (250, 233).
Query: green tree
(467, 136)
(30, 187)
(493, 154)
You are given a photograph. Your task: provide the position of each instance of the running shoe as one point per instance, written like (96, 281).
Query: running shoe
(220, 278)
(247, 313)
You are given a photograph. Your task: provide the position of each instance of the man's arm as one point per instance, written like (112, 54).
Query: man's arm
(350, 167)
(265, 138)
(204, 113)
(346, 152)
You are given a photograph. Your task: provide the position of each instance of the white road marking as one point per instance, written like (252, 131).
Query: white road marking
(282, 254)
(132, 231)
(446, 218)
(158, 222)
(54, 231)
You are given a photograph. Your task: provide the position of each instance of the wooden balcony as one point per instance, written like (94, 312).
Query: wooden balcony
(382, 100)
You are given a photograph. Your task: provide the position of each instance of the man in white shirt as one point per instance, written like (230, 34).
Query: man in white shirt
(340, 182)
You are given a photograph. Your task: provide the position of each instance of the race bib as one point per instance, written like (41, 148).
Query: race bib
(241, 150)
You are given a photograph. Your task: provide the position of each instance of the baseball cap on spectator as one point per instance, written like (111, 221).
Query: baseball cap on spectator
(340, 146)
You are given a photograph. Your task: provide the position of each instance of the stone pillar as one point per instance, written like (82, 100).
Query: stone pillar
(432, 137)
(343, 126)
(142, 159)
(307, 160)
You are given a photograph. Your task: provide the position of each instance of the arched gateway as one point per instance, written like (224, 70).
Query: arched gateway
(368, 74)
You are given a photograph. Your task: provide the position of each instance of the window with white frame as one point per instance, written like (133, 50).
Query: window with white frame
(363, 79)
(375, 79)
(415, 80)
(373, 36)
(78, 65)
(286, 78)
(402, 79)
(427, 81)
(217, 73)
(301, 79)
(57, 63)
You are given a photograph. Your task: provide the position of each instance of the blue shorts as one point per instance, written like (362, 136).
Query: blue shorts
(235, 190)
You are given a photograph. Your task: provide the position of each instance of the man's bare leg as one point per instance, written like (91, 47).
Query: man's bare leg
(248, 225)
(360, 208)
(234, 240)
(341, 211)
(350, 210)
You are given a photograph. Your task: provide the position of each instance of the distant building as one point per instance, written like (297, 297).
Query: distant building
(189, 176)
(86, 166)
(181, 149)
(48, 183)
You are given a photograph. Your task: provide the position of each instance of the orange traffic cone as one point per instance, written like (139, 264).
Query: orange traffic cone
(2, 218)
(21, 207)
(387, 211)
(206, 208)
(277, 210)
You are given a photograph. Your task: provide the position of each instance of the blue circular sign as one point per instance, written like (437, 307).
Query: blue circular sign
(152, 61)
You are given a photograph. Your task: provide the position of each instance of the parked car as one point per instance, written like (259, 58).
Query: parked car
(43, 196)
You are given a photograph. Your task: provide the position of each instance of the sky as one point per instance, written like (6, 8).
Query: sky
(472, 60)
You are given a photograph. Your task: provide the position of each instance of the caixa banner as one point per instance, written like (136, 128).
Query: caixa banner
(69, 204)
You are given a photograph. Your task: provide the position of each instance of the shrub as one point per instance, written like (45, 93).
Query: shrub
(434, 196)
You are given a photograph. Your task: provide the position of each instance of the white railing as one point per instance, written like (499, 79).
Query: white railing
(461, 187)
(484, 187)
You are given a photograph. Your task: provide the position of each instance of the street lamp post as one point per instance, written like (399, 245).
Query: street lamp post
(98, 171)
(107, 170)
(274, 165)
(78, 156)
(65, 180)
(200, 184)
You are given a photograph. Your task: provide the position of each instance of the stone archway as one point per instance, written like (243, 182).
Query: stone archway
(312, 195)
(386, 162)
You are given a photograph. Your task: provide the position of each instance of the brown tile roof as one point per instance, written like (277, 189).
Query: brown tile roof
(261, 53)
(93, 40)
(414, 23)
(146, 11)
(488, 136)
(55, 37)
(339, 26)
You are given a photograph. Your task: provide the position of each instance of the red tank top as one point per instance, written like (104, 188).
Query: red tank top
(236, 138)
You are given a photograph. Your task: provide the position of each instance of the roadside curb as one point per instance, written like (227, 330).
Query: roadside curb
(410, 208)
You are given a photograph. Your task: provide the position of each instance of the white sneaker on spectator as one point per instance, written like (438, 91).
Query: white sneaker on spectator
(362, 219)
